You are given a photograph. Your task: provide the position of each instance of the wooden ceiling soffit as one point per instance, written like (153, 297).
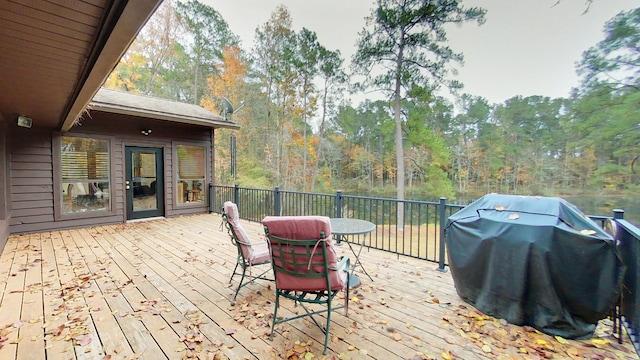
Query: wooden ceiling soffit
(122, 21)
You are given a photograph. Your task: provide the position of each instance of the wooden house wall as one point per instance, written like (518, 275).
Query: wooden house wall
(31, 180)
(4, 186)
(32, 168)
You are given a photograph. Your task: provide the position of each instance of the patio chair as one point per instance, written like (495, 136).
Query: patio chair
(306, 267)
(250, 254)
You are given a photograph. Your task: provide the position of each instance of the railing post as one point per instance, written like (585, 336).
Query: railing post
(618, 214)
(339, 203)
(443, 224)
(276, 201)
(236, 194)
(211, 198)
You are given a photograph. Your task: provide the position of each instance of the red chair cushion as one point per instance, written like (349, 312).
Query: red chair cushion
(306, 228)
(254, 253)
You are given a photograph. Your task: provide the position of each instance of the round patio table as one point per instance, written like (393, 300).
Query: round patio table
(345, 230)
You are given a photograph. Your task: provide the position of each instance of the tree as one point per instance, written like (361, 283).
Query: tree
(332, 78)
(208, 34)
(229, 82)
(270, 40)
(428, 156)
(608, 102)
(464, 131)
(615, 61)
(146, 68)
(275, 49)
(306, 63)
(406, 46)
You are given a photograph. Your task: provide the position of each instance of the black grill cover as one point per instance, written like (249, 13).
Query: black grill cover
(535, 261)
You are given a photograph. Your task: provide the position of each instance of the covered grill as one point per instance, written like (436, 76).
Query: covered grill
(535, 261)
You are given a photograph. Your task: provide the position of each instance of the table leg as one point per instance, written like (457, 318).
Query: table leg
(357, 262)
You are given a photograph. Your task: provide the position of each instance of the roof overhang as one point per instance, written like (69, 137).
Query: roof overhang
(119, 34)
(55, 54)
(117, 102)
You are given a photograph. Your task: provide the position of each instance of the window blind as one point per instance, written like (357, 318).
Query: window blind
(190, 162)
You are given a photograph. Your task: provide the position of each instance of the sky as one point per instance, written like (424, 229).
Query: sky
(526, 47)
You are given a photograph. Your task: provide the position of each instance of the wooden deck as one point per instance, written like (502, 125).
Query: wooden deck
(159, 289)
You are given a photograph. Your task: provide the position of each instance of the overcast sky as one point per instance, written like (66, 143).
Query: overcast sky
(526, 47)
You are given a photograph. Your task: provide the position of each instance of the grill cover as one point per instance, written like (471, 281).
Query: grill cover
(536, 261)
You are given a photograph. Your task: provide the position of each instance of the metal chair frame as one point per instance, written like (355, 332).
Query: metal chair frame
(242, 262)
(295, 258)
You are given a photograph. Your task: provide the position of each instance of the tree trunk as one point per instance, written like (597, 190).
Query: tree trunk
(382, 171)
(399, 147)
(314, 173)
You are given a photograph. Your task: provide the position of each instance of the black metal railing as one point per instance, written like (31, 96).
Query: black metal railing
(421, 232)
(418, 235)
(628, 237)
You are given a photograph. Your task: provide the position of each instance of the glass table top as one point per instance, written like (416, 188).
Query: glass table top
(345, 226)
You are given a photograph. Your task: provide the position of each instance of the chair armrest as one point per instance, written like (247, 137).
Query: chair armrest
(343, 265)
(251, 243)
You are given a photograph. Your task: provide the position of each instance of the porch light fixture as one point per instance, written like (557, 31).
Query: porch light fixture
(24, 121)
(145, 132)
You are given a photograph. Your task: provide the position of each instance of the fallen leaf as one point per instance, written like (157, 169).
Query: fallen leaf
(572, 351)
(447, 355)
(600, 341)
(561, 340)
(84, 340)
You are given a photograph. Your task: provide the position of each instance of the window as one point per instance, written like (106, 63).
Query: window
(191, 169)
(85, 169)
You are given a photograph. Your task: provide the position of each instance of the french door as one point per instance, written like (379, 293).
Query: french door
(144, 182)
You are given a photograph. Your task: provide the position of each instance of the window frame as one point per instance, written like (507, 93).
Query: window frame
(176, 166)
(57, 178)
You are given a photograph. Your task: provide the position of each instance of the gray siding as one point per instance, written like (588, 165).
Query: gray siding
(5, 194)
(32, 169)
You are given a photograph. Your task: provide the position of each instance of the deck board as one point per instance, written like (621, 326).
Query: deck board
(10, 308)
(32, 304)
(160, 290)
(55, 265)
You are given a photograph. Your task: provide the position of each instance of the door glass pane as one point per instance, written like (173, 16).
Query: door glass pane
(144, 180)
